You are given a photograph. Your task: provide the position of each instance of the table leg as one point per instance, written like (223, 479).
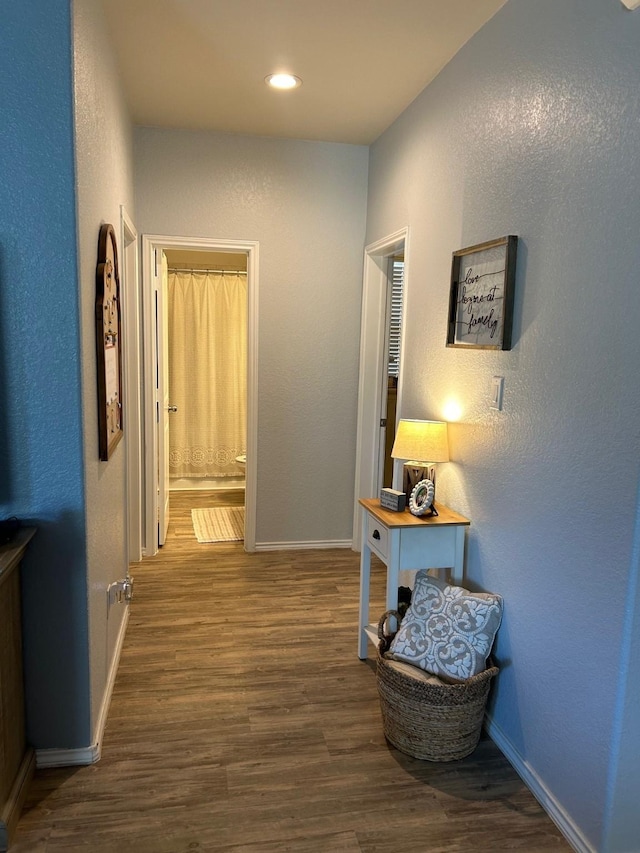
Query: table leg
(393, 570)
(457, 569)
(393, 574)
(365, 576)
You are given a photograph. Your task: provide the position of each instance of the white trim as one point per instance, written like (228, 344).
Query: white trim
(67, 757)
(251, 466)
(111, 678)
(302, 546)
(150, 442)
(372, 347)
(132, 372)
(631, 4)
(539, 790)
(89, 754)
(151, 243)
(163, 403)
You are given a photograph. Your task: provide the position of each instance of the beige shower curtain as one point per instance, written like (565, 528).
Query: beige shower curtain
(207, 373)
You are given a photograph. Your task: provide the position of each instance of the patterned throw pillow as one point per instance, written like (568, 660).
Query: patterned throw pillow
(447, 631)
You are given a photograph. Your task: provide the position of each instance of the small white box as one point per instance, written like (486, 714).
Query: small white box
(393, 500)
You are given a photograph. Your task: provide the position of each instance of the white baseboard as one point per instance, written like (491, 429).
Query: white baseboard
(539, 790)
(302, 546)
(89, 754)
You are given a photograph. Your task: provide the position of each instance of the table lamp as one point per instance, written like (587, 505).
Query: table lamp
(425, 441)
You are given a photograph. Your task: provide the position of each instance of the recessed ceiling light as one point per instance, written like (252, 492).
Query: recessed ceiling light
(283, 81)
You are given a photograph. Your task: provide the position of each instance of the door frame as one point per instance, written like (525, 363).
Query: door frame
(132, 371)
(373, 343)
(161, 286)
(156, 242)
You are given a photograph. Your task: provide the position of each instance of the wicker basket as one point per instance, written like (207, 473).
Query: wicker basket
(436, 722)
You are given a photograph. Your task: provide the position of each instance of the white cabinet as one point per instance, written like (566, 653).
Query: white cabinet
(405, 541)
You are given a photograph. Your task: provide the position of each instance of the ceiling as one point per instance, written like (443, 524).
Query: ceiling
(201, 64)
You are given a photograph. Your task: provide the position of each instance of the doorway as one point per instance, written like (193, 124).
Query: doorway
(373, 390)
(207, 395)
(158, 405)
(395, 302)
(207, 319)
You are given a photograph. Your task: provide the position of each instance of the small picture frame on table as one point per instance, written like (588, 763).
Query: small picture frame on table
(481, 295)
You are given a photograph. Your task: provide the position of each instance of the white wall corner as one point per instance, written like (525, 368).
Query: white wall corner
(630, 4)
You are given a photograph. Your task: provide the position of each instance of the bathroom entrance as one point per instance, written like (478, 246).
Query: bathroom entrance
(200, 335)
(207, 331)
(206, 315)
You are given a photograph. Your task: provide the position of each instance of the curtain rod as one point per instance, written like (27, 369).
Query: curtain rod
(192, 269)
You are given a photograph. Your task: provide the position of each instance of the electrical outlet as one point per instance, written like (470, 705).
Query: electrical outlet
(120, 592)
(128, 592)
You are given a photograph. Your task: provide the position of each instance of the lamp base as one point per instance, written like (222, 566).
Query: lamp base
(413, 473)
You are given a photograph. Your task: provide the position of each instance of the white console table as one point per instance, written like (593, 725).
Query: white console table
(405, 541)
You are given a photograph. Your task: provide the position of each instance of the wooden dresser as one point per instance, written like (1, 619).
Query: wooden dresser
(17, 761)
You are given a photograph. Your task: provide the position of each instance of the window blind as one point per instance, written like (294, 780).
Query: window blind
(395, 318)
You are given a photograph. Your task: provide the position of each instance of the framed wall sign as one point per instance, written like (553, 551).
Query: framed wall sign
(108, 341)
(481, 295)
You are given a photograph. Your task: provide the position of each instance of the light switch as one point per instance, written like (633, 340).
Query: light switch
(497, 389)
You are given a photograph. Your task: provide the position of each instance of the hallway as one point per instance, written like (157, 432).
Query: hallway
(242, 720)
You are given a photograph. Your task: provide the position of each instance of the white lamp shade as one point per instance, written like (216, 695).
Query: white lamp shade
(423, 441)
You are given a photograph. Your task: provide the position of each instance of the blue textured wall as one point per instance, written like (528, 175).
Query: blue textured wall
(40, 419)
(534, 129)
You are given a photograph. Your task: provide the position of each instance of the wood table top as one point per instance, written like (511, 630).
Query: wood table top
(405, 519)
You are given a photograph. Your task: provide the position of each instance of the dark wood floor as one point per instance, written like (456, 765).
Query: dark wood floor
(242, 720)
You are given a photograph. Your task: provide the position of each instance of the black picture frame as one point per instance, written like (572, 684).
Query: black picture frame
(108, 343)
(481, 295)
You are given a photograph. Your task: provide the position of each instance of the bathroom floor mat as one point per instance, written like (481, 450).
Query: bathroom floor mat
(218, 524)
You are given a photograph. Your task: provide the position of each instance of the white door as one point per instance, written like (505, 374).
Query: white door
(163, 406)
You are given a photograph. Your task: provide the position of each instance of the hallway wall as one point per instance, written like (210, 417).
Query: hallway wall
(50, 475)
(533, 130)
(305, 202)
(103, 140)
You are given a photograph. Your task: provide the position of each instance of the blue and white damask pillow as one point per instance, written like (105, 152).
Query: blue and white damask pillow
(447, 630)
